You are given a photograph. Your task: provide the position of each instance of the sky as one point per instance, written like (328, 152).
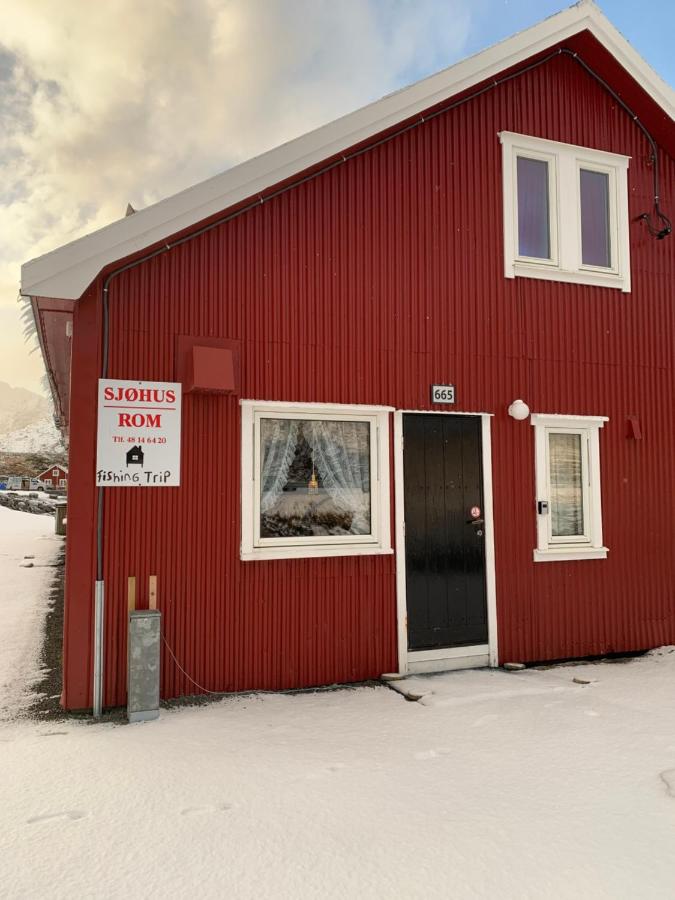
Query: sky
(102, 104)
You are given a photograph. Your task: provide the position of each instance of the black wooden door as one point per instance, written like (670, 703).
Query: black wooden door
(444, 531)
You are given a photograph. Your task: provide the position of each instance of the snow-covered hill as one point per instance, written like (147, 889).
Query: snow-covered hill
(26, 424)
(41, 437)
(20, 408)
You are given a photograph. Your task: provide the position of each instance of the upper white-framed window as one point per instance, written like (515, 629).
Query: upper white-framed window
(55, 473)
(315, 480)
(565, 212)
(567, 477)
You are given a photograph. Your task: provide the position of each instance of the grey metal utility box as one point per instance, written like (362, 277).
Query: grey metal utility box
(143, 665)
(60, 516)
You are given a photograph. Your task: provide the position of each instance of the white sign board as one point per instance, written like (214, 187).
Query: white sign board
(442, 393)
(138, 442)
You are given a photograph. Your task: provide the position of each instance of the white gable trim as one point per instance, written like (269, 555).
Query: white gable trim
(66, 272)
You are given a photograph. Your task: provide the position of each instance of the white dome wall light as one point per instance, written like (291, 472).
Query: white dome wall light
(519, 410)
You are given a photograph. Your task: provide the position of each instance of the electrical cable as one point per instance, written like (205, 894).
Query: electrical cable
(663, 232)
(312, 690)
(653, 229)
(659, 234)
(178, 666)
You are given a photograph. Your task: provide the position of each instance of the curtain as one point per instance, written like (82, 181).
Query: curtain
(278, 439)
(567, 504)
(342, 458)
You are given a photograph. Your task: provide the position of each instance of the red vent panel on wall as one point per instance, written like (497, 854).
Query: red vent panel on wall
(210, 369)
(207, 365)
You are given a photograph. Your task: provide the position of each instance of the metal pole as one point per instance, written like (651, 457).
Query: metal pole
(98, 649)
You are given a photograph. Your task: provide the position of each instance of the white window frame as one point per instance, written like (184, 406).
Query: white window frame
(55, 473)
(589, 545)
(62, 482)
(549, 158)
(590, 166)
(565, 163)
(377, 542)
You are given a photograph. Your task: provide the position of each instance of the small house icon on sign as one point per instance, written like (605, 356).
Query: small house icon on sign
(135, 457)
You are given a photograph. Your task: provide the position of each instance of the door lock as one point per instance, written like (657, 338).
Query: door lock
(475, 516)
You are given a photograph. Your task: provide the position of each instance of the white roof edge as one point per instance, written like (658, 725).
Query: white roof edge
(67, 271)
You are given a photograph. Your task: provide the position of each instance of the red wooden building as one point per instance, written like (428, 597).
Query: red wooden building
(55, 477)
(427, 363)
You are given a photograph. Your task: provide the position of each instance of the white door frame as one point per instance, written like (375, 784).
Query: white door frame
(452, 657)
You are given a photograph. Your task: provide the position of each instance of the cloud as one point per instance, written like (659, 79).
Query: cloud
(105, 103)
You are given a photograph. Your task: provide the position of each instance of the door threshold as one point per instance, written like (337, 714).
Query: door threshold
(448, 658)
(448, 652)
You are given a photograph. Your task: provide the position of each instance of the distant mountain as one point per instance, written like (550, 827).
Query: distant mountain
(26, 424)
(41, 437)
(20, 407)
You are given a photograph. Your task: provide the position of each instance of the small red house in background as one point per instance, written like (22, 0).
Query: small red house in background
(433, 426)
(55, 477)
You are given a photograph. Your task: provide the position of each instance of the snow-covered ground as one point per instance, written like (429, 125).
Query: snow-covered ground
(42, 496)
(495, 784)
(24, 595)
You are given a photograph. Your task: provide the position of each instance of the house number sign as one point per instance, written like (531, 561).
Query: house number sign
(442, 393)
(138, 441)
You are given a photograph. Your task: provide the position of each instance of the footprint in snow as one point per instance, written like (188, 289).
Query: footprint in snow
(490, 717)
(72, 814)
(668, 778)
(210, 808)
(336, 767)
(433, 754)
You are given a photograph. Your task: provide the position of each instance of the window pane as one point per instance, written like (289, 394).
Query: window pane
(567, 504)
(314, 478)
(534, 237)
(595, 236)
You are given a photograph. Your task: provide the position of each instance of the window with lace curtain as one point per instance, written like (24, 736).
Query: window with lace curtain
(315, 480)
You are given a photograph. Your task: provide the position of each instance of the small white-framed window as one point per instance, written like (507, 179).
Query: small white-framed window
(62, 482)
(567, 477)
(55, 473)
(315, 480)
(536, 208)
(565, 212)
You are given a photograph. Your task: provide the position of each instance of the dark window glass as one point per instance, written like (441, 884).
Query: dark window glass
(314, 478)
(567, 500)
(534, 236)
(595, 238)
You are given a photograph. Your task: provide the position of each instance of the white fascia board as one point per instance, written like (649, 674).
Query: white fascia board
(616, 44)
(66, 272)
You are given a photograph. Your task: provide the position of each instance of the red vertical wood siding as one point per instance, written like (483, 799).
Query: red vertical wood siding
(365, 285)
